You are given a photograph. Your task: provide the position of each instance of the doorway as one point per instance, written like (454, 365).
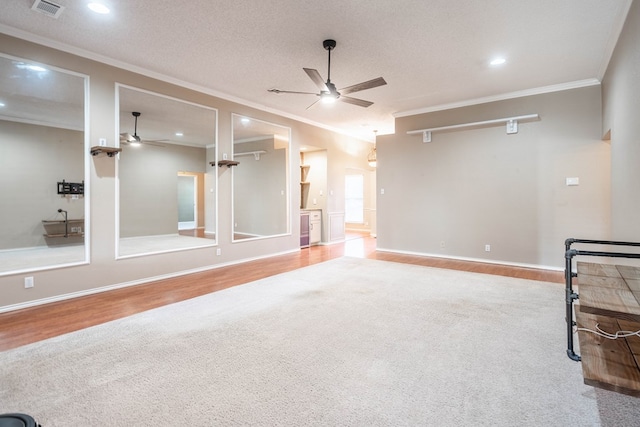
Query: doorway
(189, 206)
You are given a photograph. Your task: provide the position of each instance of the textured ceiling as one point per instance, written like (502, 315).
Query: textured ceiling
(432, 53)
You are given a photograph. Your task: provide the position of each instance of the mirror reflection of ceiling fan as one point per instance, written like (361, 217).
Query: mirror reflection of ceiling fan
(328, 92)
(134, 140)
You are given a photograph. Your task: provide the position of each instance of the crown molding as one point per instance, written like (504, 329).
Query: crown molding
(43, 41)
(494, 98)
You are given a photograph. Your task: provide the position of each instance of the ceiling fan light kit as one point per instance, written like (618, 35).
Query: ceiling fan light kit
(372, 157)
(135, 140)
(328, 92)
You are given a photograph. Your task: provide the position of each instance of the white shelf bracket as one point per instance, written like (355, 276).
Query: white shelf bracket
(255, 154)
(426, 136)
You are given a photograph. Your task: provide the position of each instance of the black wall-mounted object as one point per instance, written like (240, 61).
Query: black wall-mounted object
(227, 163)
(70, 187)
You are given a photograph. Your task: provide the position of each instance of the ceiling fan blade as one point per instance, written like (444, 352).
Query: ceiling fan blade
(314, 103)
(155, 142)
(355, 101)
(126, 137)
(317, 79)
(290, 91)
(362, 86)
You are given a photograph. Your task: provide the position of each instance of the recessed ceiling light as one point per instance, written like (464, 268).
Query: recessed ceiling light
(179, 134)
(2, 104)
(98, 8)
(36, 68)
(244, 120)
(498, 61)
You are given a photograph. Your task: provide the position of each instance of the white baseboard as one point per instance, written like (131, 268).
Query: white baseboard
(482, 260)
(63, 297)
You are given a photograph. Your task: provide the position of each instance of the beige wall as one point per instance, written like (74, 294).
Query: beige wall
(259, 197)
(621, 103)
(33, 159)
(104, 271)
(148, 179)
(317, 179)
(470, 188)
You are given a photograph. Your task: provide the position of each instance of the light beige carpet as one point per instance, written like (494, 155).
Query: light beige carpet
(350, 342)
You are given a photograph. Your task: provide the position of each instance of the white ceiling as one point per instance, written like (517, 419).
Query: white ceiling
(432, 53)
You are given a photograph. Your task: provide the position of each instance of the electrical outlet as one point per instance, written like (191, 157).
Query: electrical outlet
(28, 282)
(218, 251)
(442, 244)
(487, 248)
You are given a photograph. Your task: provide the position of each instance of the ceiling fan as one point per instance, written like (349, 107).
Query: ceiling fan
(129, 139)
(328, 91)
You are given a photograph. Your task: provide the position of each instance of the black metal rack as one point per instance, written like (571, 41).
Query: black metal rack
(570, 295)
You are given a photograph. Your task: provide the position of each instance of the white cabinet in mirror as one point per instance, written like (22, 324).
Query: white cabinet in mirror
(167, 185)
(261, 205)
(43, 139)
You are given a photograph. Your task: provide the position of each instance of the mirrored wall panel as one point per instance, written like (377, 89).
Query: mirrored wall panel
(261, 205)
(42, 166)
(167, 185)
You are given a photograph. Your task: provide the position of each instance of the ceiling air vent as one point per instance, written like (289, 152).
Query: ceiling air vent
(49, 8)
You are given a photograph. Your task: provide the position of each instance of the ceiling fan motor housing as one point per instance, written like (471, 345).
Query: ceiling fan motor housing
(329, 44)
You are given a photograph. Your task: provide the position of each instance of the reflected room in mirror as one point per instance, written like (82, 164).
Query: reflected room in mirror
(261, 205)
(42, 166)
(167, 187)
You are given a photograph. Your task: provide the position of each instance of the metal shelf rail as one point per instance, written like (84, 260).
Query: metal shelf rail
(570, 295)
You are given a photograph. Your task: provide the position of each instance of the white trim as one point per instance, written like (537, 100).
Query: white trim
(335, 219)
(482, 260)
(46, 267)
(501, 97)
(57, 298)
(87, 169)
(166, 251)
(117, 87)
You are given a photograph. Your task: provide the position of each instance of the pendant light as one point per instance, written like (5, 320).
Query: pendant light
(371, 158)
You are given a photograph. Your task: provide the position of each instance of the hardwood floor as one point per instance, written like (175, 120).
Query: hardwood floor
(22, 327)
